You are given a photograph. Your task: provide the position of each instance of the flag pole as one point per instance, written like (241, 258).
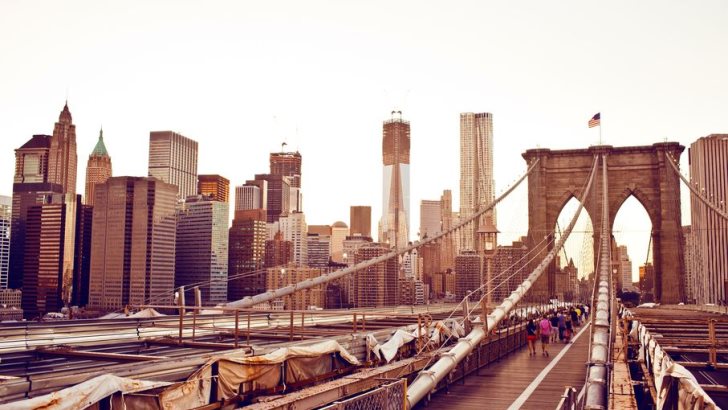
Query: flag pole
(600, 127)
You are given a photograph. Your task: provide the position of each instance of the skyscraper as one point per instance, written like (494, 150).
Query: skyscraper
(477, 188)
(82, 260)
(5, 217)
(691, 253)
(430, 214)
(277, 195)
(215, 187)
(98, 169)
(509, 268)
(304, 298)
(339, 232)
(708, 158)
(467, 270)
(394, 225)
(133, 243)
(202, 247)
(62, 159)
(447, 252)
(49, 254)
(377, 285)
(247, 253)
(287, 164)
(360, 220)
(173, 159)
(624, 268)
(278, 252)
(319, 249)
(294, 229)
(251, 195)
(30, 187)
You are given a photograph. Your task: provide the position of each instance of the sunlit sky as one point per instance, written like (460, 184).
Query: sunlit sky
(243, 77)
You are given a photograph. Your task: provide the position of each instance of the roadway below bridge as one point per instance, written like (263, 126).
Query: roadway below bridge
(520, 381)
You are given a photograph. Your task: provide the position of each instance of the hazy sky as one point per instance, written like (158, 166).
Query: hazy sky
(242, 77)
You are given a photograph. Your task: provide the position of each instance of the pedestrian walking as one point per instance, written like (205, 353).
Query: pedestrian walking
(531, 331)
(574, 317)
(568, 331)
(554, 327)
(545, 331)
(562, 325)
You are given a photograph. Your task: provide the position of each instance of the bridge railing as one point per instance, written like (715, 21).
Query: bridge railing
(390, 396)
(569, 400)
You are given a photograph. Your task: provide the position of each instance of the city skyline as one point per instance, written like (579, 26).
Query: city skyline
(242, 105)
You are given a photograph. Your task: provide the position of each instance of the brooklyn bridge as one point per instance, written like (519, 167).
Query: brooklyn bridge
(470, 354)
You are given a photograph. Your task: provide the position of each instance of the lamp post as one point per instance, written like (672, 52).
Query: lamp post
(488, 244)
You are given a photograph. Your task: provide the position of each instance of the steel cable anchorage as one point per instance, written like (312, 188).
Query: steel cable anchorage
(428, 379)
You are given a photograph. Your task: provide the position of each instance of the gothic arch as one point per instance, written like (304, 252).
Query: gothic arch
(642, 172)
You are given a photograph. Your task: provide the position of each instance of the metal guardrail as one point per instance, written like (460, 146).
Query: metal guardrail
(569, 400)
(390, 396)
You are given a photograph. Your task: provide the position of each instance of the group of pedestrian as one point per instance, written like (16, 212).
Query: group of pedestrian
(557, 325)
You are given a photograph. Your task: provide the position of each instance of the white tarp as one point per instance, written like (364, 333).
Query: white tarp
(238, 375)
(398, 339)
(142, 314)
(673, 382)
(374, 346)
(83, 394)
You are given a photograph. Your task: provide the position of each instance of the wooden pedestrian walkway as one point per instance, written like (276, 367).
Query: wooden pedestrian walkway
(520, 381)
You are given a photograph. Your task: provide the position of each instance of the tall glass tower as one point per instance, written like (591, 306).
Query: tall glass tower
(477, 188)
(394, 225)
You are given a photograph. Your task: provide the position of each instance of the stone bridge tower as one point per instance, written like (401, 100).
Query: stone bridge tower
(642, 172)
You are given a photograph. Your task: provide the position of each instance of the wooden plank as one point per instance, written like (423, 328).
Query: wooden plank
(499, 384)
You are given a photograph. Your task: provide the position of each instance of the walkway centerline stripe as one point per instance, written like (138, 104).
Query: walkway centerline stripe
(521, 400)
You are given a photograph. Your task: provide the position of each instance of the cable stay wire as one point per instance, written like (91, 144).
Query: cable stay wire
(327, 277)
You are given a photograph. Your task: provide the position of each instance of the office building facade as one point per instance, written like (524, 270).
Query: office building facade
(5, 219)
(214, 187)
(30, 187)
(294, 229)
(377, 285)
(430, 222)
(133, 243)
(173, 159)
(360, 220)
(277, 196)
(708, 158)
(468, 275)
(50, 227)
(247, 252)
(303, 299)
(202, 248)
(251, 195)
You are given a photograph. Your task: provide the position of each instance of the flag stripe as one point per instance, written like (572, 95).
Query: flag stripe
(595, 120)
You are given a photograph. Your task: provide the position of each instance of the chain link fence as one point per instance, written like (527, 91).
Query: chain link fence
(389, 396)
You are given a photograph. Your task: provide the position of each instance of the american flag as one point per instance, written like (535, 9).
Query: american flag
(595, 120)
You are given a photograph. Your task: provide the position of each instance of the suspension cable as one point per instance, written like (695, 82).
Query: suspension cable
(308, 283)
(703, 198)
(428, 379)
